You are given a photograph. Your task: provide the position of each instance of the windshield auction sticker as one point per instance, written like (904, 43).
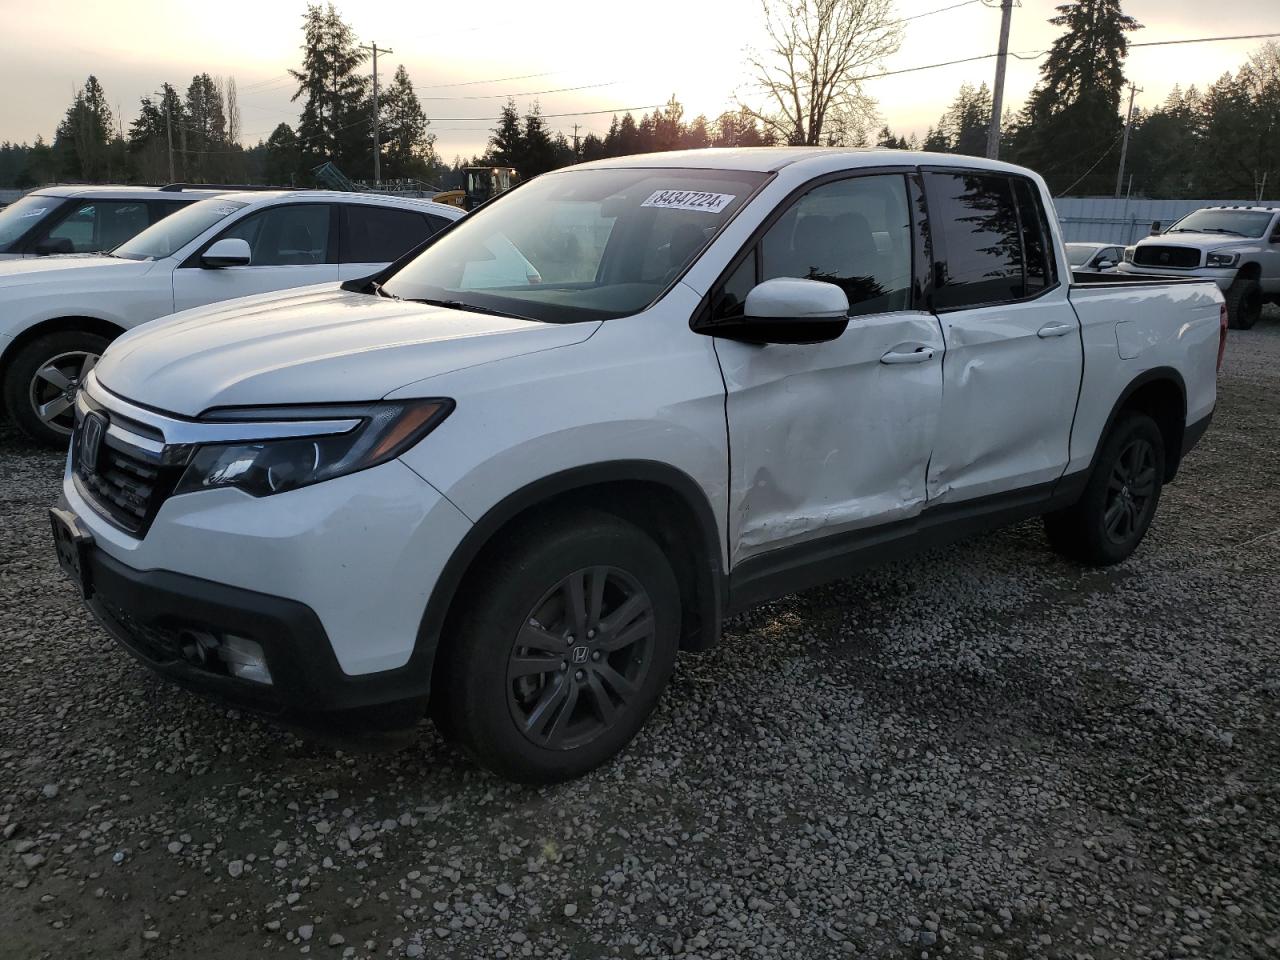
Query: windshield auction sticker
(690, 200)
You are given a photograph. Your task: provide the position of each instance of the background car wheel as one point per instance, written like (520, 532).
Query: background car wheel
(560, 648)
(1109, 521)
(40, 386)
(1244, 304)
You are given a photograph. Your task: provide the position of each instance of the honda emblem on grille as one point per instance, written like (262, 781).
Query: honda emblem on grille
(91, 431)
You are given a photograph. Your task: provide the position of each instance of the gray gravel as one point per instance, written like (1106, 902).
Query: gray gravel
(985, 752)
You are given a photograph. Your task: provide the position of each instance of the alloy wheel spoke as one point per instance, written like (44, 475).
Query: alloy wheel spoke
(597, 577)
(538, 638)
(623, 616)
(53, 408)
(90, 361)
(601, 700)
(1144, 483)
(620, 685)
(575, 601)
(552, 697)
(52, 375)
(525, 666)
(638, 630)
(1113, 516)
(561, 722)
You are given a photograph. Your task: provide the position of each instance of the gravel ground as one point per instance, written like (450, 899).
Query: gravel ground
(985, 752)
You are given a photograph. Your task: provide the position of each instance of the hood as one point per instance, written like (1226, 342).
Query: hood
(67, 267)
(323, 345)
(1200, 241)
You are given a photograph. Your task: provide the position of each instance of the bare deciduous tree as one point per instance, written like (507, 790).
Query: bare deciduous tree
(810, 78)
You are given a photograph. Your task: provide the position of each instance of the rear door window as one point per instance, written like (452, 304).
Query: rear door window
(99, 225)
(980, 256)
(381, 234)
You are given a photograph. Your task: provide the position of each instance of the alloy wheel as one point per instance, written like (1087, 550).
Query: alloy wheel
(580, 657)
(1130, 490)
(53, 388)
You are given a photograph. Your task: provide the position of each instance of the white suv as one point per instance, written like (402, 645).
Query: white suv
(76, 219)
(57, 314)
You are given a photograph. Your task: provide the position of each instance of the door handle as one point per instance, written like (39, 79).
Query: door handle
(1055, 330)
(920, 354)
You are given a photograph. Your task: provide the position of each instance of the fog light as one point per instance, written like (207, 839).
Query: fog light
(244, 659)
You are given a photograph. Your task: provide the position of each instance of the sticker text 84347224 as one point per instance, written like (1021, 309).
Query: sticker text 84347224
(689, 200)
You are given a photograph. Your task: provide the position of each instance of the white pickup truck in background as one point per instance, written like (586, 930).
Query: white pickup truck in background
(57, 314)
(1238, 248)
(728, 375)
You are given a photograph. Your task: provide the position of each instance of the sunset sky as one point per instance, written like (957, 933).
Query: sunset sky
(619, 55)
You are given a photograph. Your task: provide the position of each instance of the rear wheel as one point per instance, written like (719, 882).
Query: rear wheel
(41, 383)
(1109, 521)
(1244, 304)
(561, 648)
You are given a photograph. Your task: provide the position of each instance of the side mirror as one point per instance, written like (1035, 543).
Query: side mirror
(47, 248)
(790, 310)
(1105, 264)
(1155, 228)
(228, 252)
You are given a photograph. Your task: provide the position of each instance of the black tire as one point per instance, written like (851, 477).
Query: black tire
(1244, 303)
(25, 390)
(1110, 519)
(521, 704)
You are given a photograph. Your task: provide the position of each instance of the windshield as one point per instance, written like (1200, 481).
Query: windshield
(1241, 223)
(23, 214)
(577, 245)
(175, 231)
(1078, 254)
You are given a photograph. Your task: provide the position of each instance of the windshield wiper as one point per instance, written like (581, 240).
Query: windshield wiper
(459, 305)
(381, 291)
(1234, 233)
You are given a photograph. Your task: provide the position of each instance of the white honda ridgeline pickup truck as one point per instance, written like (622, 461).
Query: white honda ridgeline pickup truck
(735, 374)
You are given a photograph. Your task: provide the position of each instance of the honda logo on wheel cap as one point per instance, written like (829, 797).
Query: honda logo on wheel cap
(579, 654)
(91, 431)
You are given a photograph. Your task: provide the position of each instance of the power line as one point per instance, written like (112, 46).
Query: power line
(930, 13)
(1104, 156)
(524, 93)
(546, 116)
(472, 83)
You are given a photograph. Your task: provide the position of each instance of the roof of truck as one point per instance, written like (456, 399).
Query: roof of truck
(771, 159)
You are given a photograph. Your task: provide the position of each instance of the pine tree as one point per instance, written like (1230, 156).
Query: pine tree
(506, 145)
(332, 125)
(695, 135)
(83, 138)
(283, 157)
(539, 149)
(407, 146)
(1072, 120)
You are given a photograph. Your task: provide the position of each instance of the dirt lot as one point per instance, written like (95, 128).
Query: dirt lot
(986, 752)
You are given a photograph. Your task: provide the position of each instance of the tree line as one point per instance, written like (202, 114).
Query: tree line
(1221, 142)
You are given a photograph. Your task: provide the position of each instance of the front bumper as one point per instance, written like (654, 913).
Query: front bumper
(1222, 276)
(156, 614)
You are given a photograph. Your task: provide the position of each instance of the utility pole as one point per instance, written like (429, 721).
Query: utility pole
(168, 127)
(377, 146)
(576, 156)
(997, 94)
(1124, 148)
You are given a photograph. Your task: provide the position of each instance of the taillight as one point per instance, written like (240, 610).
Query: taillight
(1222, 332)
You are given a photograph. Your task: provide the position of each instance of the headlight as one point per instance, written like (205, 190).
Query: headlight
(1128, 254)
(264, 467)
(1222, 260)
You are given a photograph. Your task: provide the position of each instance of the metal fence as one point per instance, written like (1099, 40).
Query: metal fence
(1108, 220)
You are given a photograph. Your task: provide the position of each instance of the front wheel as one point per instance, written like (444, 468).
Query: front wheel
(41, 383)
(560, 648)
(1244, 304)
(1109, 521)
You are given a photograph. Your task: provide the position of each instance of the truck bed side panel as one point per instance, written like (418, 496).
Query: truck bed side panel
(1130, 329)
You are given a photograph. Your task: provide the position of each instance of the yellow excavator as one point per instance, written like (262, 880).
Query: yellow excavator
(482, 183)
